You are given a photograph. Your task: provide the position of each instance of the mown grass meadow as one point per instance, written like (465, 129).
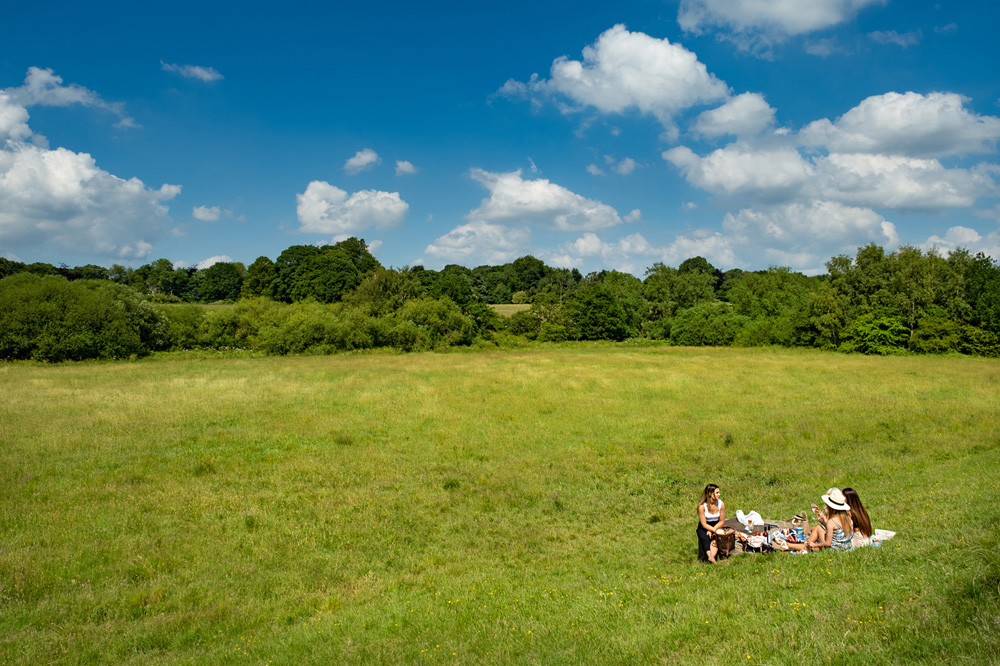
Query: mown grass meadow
(530, 506)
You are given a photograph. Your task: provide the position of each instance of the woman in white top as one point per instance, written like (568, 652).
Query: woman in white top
(711, 517)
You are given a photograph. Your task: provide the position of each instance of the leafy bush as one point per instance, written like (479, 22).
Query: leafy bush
(182, 325)
(780, 330)
(873, 334)
(441, 320)
(524, 323)
(978, 342)
(310, 327)
(484, 318)
(408, 336)
(50, 319)
(220, 329)
(707, 324)
(657, 329)
(553, 333)
(935, 336)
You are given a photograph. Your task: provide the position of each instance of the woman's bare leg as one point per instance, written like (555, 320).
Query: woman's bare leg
(712, 551)
(816, 537)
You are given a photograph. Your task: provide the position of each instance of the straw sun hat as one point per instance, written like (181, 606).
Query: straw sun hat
(836, 500)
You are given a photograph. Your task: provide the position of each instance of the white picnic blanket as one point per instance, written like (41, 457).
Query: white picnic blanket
(881, 535)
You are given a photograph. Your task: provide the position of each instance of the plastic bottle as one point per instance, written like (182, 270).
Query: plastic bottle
(876, 542)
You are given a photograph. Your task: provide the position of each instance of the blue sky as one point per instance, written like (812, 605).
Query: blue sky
(590, 134)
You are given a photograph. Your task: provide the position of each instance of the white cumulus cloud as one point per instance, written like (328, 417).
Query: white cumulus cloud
(626, 166)
(802, 234)
(775, 172)
(755, 25)
(204, 74)
(326, 209)
(539, 202)
(744, 115)
(404, 168)
(903, 40)
(211, 261)
(911, 124)
(898, 182)
(43, 87)
(625, 71)
(363, 160)
(480, 242)
(964, 237)
(62, 198)
(206, 213)
(13, 119)
(763, 172)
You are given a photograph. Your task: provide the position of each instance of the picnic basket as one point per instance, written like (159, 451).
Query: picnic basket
(725, 538)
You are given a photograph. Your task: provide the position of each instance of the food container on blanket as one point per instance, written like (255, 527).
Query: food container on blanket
(725, 538)
(799, 527)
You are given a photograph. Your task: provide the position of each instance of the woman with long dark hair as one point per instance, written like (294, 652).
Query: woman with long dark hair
(711, 517)
(859, 516)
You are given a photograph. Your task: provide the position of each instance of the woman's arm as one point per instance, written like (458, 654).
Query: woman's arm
(701, 519)
(827, 540)
(722, 514)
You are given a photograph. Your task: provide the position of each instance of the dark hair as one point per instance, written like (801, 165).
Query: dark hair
(709, 489)
(858, 514)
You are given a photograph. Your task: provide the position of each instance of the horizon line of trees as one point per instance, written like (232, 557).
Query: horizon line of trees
(339, 297)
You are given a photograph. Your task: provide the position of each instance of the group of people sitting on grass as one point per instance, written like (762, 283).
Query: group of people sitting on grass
(844, 524)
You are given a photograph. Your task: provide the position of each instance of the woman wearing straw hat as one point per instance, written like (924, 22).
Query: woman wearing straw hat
(836, 529)
(839, 528)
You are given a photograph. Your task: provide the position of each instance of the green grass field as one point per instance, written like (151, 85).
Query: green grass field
(534, 506)
(507, 309)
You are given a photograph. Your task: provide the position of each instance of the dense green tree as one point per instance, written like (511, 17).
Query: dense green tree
(426, 276)
(777, 302)
(291, 267)
(527, 272)
(260, 276)
(560, 283)
(222, 281)
(120, 274)
(91, 272)
(41, 268)
(356, 251)
(492, 284)
(325, 277)
(913, 284)
(828, 310)
(696, 265)
(384, 291)
(669, 291)
(526, 323)
(628, 290)
(8, 267)
(982, 292)
(454, 282)
(597, 315)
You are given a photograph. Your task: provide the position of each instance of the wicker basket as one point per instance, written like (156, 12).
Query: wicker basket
(725, 538)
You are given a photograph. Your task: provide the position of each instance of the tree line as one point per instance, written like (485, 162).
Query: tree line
(339, 297)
